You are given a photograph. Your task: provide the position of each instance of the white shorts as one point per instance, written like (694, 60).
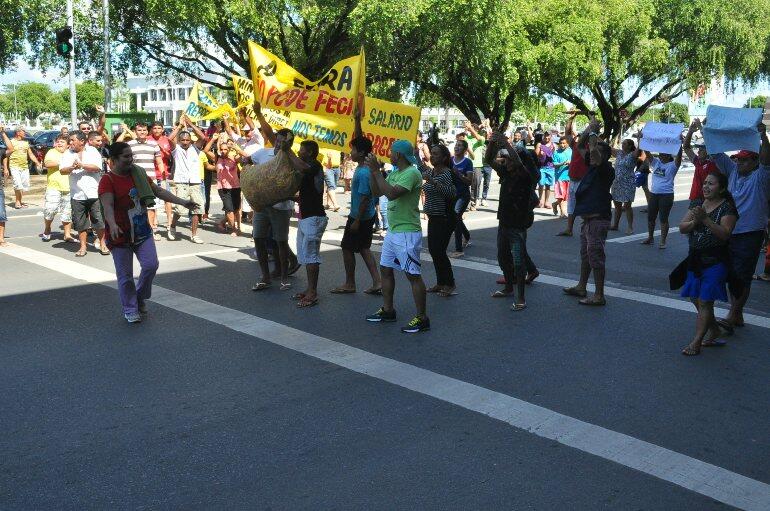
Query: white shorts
(401, 251)
(57, 202)
(309, 233)
(245, 206)
(20, 178)
(166, 185)
(574, 184)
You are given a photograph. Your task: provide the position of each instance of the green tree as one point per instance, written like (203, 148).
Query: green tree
(755, 102)
(89, 94)
(655, 49)
(32, 99)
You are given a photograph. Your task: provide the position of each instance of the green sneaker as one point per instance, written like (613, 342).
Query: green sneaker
(416, 325)
(382, 316)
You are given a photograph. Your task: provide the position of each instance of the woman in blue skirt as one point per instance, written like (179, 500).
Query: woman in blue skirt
(708, 224)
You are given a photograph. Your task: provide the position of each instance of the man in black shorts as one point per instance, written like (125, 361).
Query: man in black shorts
(360, 224)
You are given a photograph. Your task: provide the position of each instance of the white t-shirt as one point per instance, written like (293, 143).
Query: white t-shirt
(252, 144)
(186, 165)
(662, 176)
(264, 155)
(83, 185)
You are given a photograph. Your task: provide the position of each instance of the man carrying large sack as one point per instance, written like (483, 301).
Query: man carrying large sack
(276, 216)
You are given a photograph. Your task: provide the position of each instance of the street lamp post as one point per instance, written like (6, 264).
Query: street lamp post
(107, 90)
(73, 95)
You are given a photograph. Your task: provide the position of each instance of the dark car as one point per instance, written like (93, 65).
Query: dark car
(41, 143)
(11, 134)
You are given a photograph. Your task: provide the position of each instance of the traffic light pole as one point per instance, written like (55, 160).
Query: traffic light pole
(107, 79)
(73, 96)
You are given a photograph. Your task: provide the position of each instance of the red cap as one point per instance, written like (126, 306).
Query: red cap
(743, 154)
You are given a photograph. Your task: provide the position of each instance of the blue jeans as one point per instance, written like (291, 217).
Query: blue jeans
(381, 220)
(3, 213)
(486, 174)
(461, 204)
(332, 177)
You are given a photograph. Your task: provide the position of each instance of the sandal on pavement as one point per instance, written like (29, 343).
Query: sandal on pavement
(104, 251)
(764, 277)
(500, 294)
(342, 291)
(285, 286)
(70, 240)
(593, 302)
(260, 286)
(81, 253)
(373, 291)
(690, 352)
(713, 343)
(518, 306)
(298, 296)
(573, 291)
(307, 302)
(434, 289)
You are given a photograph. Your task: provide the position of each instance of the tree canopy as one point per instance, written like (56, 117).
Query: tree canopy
(486, 57)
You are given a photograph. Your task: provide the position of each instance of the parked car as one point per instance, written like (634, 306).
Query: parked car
(41, 143)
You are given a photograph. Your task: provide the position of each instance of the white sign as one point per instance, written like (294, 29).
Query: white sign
(731, 129)
(661, 137)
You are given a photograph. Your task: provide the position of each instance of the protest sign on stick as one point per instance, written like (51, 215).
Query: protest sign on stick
(731, 129)
(660, 137)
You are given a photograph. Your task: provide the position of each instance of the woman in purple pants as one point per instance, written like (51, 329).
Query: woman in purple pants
(128, 229)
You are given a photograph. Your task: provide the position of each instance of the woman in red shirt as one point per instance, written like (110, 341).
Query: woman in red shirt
(128, 230)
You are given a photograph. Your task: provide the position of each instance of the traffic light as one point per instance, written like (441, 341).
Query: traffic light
(64, 41)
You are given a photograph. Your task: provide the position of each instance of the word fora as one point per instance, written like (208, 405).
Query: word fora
(301, 99)
(319, 133)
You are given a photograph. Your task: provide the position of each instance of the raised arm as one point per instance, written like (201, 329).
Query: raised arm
(378, 183)
(207, 149)
(102, 120)
(8, 143)
(194, 127)
(266, 128)
(175, 132)
(687, 144)
(764, 150)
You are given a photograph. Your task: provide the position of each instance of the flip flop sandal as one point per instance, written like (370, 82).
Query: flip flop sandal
(342, 291)
(377, 292)
(593, 303)
(80, 254)
(445, 294)
(574, 292)
(726, 326)
(307, 303)
(689, 352)
(434, 289)
(261, 286)
(298, 296)
(500, 294)
(285, 286)
(716, 343)
(104, 252)
(518, 306)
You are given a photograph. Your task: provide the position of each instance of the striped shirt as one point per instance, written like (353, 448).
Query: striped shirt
(439, 194)
(145, 154)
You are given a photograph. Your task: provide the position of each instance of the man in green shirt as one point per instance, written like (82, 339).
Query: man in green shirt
(403, 242)
(476, 143)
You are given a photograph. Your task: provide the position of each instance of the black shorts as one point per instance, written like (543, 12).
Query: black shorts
(359, 240)
(744, 253)
(86, 214)
(231, 199)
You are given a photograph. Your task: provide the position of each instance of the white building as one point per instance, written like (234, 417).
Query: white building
(166, 99)
(447, 119)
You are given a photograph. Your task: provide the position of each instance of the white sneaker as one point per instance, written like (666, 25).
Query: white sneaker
(171, 234)
(133, 317)
(196, 239)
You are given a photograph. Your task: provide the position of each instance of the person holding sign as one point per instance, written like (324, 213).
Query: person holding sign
(663, 170)
(403, 242)
(749, 182)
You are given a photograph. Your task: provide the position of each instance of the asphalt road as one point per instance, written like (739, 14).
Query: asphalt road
(225, 398)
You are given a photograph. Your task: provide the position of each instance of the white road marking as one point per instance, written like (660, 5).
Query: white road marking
(690, 473)
(632, 237)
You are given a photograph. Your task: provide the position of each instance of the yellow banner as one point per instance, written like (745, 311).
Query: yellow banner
(383, 122)
(202, 106)
(279, 86)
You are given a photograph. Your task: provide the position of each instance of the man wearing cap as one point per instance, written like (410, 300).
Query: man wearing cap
(403, 242)
(748, 180)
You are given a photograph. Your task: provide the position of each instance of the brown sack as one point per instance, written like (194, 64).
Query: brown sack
(266, 184)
